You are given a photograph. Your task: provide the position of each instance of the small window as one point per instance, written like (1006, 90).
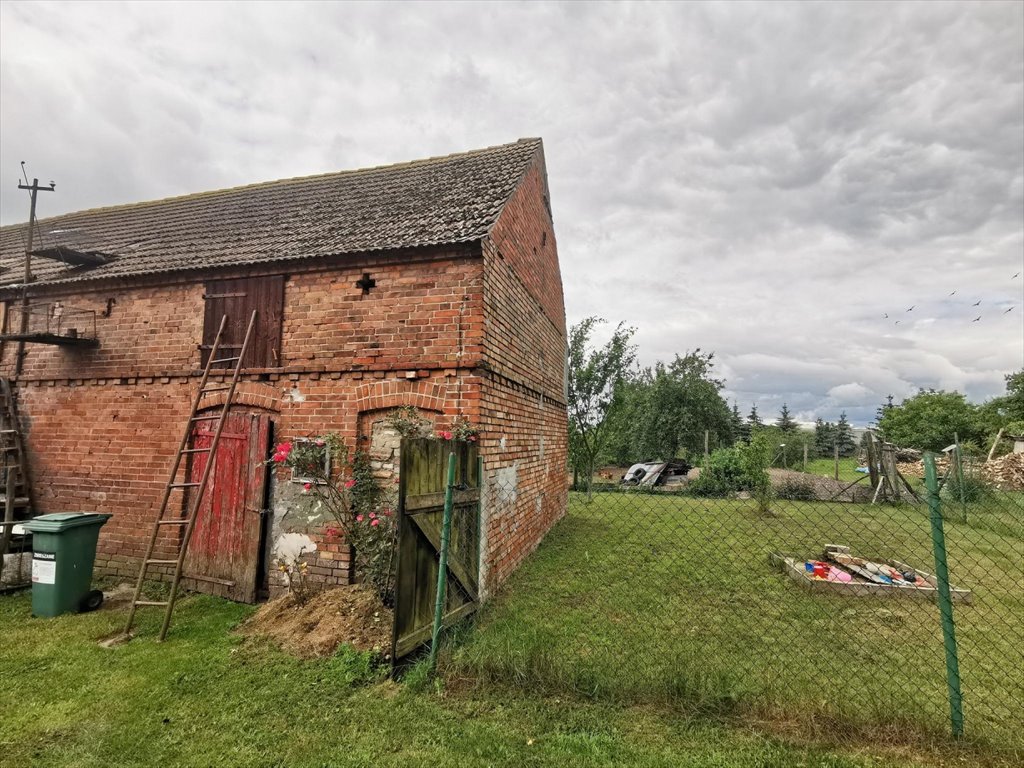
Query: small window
(319, 457)
(237, 299)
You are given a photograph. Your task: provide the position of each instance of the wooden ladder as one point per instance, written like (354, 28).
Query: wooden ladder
(12, 445)
(189, 521)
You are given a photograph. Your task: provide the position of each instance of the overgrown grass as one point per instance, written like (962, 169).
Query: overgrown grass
(205, 697)
(672, 600)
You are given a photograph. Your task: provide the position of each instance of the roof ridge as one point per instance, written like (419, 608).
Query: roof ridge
(282, 182)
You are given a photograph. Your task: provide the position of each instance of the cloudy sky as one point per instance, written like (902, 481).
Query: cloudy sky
(767, 181)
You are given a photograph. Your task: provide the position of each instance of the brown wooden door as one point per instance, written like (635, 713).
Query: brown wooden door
(238, 299)
(424, 467)
(223, 555)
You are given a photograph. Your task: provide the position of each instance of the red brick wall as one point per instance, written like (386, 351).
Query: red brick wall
(102, 425)
(523, 414)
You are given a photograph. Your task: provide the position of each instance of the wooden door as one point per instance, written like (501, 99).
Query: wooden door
(422, 480)
(223, 555)
(238, 299)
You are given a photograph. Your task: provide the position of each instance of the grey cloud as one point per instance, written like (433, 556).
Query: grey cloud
(762, 180)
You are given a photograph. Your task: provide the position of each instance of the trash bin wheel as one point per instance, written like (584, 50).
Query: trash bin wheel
(91, 601)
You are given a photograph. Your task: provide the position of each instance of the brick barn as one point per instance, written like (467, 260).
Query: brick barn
(433, 284)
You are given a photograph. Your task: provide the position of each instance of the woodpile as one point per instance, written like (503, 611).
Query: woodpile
(916, 468)
(1005, 473)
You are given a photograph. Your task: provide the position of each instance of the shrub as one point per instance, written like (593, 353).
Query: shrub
(796, 490)
(723, 474)
(971, 488)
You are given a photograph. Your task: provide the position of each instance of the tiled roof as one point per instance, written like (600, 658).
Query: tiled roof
(441, 200)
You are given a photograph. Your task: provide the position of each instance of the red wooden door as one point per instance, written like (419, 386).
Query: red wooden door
(223, 555)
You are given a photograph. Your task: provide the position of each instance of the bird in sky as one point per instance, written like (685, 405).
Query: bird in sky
(952, 292)
(912, 308)
(1015, 276)
(1011, 308)
(897, 322)
(887, 314)
(976, 303)
(976, 319)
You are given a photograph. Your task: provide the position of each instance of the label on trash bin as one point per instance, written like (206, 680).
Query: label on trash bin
(44, 568)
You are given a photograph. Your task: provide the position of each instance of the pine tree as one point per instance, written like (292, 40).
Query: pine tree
(753, 420)
(824, 437)
(882, 409)
(844, 436)
(785, 421)
(740, 430)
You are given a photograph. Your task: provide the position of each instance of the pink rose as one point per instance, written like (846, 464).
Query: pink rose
(350, 483)
(373, 515)
(375, 522)
(359, 518)
(307, 486)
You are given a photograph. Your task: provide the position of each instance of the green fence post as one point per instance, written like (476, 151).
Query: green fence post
(442, 566)
(956, 709)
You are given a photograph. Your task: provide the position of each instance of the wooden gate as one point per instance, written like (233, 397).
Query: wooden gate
(223, 555)
(424, 469)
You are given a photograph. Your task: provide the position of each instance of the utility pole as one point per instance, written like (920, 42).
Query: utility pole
(33, 189)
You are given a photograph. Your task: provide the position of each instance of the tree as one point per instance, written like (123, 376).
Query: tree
(882, 409)
(929, 419)
(785, 422)
(740, 430)
(595, 380)
(665, 410)
(843, 436)
(824, 437)
(1004, 411)
(753, 420)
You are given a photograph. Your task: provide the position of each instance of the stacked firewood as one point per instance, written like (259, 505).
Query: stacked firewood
(1005, 473)
(916, 468)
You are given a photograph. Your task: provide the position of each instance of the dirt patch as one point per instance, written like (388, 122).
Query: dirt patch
(825, 488)
(119, 597)
(349, 615)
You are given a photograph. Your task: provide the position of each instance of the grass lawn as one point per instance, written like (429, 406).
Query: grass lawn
(827, 468)
(207, 697)
(648, 598)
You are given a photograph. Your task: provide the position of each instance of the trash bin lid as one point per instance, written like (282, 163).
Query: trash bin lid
(61, 521)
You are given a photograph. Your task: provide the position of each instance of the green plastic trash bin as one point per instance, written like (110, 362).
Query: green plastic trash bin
(63, 553)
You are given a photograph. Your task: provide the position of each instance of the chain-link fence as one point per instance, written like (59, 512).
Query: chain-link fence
(822, 600)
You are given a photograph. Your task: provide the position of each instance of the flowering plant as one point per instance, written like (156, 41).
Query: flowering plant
(361, 509)
(461, 429)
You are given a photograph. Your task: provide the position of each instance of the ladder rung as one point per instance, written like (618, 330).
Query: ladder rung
(8, 431)
(151, 602)
(196, 450)
(184, 485)
(205, 418)
(152, 561)
(215, 389)
(224, 360)
(19, 501)
(172, 522)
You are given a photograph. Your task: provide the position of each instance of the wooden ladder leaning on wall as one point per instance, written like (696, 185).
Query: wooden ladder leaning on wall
(12, 446)
(198, 489)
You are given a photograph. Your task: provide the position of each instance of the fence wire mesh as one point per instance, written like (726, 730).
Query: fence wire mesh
(809, 602)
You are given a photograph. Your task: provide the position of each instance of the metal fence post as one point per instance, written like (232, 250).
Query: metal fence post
(442, 566)
(956, 710)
